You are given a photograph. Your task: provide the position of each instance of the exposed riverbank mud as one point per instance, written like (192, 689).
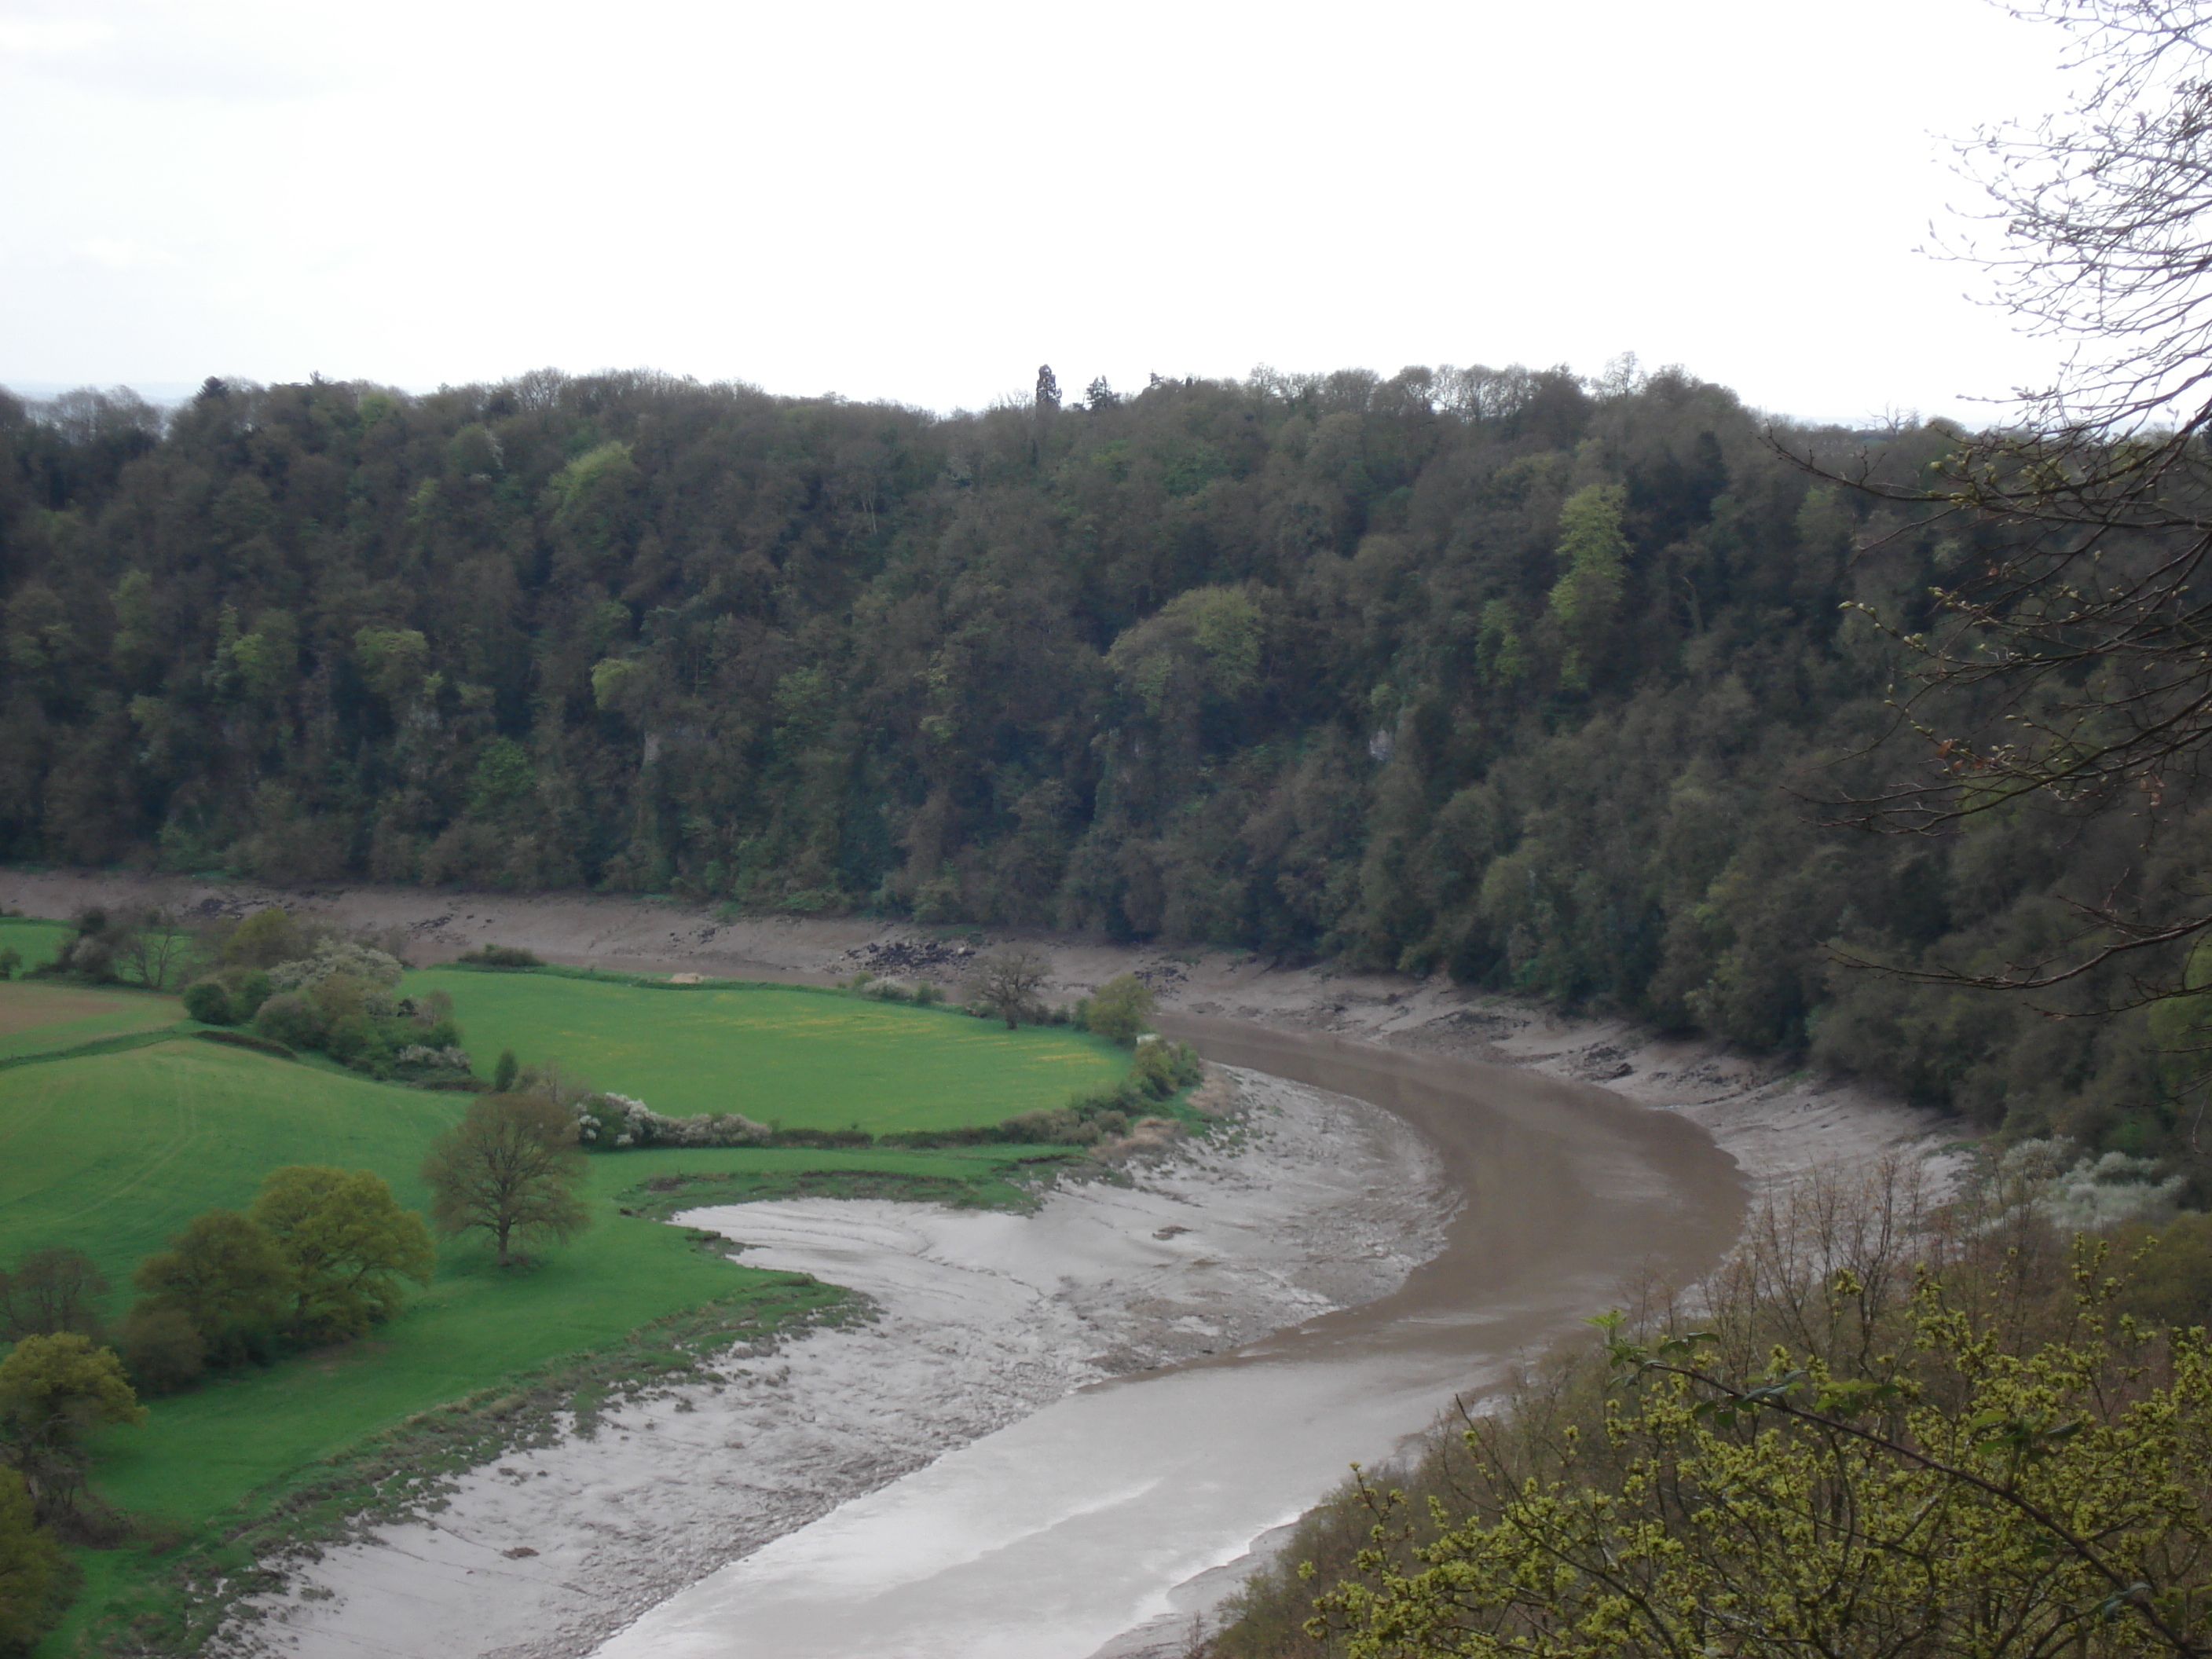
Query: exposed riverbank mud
(1310, 1202)
(1571, 1193)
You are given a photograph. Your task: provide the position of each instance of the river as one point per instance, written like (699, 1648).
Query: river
(1114, 1508)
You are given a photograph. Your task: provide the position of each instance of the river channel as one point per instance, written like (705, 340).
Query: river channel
(1115, 1508)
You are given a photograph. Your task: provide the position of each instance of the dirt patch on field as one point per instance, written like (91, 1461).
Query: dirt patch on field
(28, 1007)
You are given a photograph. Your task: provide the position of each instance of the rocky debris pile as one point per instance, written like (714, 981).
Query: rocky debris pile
(911, 956)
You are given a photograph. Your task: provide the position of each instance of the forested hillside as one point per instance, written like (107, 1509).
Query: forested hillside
(1506, 674)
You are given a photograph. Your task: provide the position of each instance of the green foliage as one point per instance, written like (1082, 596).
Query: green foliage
(503, 778)
(1903, 1420)
(1487, 672)
(270, 936)
(225, 1278)
(504, 1073)
(208, 1000)
(1593, 552)
(500, 956)
(1119, 1009)
(30, 1563)
(51, 1291)
(392, 659)
(1007, 982)
(510, 1167)
(194, 1126)
(1201, 642)
(53, 1390)
(162, 1348)
(291, 1019)
(1991, 1504)
(345, 1244)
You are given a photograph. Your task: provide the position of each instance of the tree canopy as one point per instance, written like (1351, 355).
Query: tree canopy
(1500, 673)
(511, 1167)
(345, 1244)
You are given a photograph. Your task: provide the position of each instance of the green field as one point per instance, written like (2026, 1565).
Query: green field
(805, 1058)
(37, 942)
(37, 1018)
(111, 1152)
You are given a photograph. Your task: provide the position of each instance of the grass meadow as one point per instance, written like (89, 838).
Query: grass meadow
(112, 1150)
(805, 1058)
(37, 941)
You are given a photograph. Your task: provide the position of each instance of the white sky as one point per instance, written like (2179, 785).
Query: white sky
(923, 202)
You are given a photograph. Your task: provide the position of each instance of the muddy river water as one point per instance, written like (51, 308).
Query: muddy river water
(1113, 1510)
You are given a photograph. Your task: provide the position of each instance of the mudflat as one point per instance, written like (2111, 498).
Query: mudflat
(1570, 1190)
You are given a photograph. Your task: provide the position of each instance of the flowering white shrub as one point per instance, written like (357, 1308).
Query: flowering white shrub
(615, 1121)
(2080, 1194)
(332, 956)
(452, 1059)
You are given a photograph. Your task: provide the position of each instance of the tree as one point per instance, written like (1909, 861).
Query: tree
(225, 1275)
(53, 1390)
(1907, 1423)
(29, 1561)
(346, 1243)
(1593, 552)
(208, 1001)
(155, 947)
(2020, 1507)
(56, 1289)
(1007, 982)
(1048, 389)
(2066, 664)
(511, 1167)
(1120, 1008)
(504, 1071)
(270, 936)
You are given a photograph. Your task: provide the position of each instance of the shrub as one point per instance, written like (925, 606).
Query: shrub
(437, 1057)
(334, 957)
(1119, 1008)
(1154, 1069)
(288, 1017)
(30, 1566)
(52, 1290)
(1055, 1126)
(260, 1045)
(818, 1137)
(501, 956)
(271, 936)
(11, 959)
(249, 989)
(209, 1002)
(608, 1122)
(353, 1040)
(162, 1348)
(927, 994)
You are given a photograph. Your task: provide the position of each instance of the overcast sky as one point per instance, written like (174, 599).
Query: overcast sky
(923, 202)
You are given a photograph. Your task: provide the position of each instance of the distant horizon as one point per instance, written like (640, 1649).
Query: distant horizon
(169, 394)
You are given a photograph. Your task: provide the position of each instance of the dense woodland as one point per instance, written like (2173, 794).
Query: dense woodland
(1539, 682)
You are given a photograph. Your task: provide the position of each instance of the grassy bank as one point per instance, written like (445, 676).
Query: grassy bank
(807, 1058)
(112, 1151)
(34, 940)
